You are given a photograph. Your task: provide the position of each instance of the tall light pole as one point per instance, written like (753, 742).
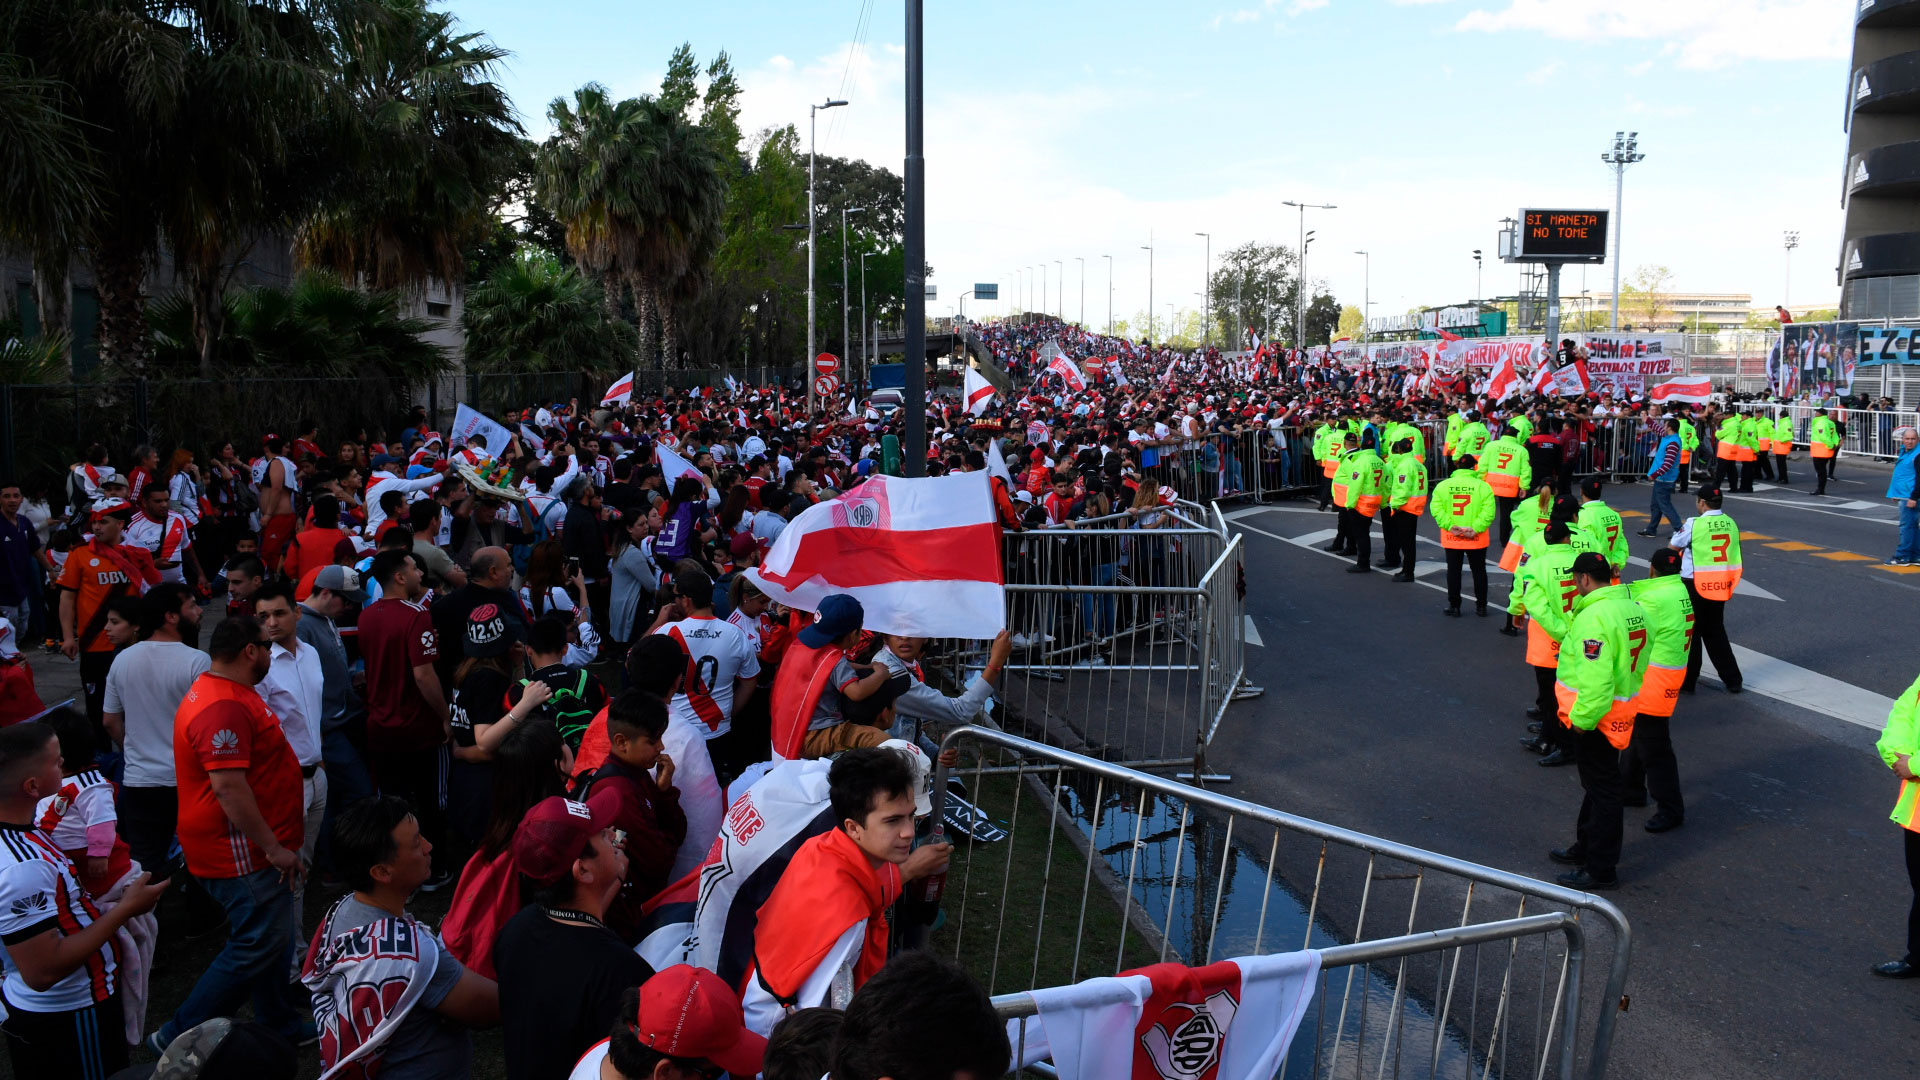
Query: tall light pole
(1477, 267)
(1027, 304)
(1300, 326)
(1792, 237)
(1206, 294)
(865, 357)
(1366, 290)
(813, 131)
(1624, 153)
(1109, 259)
(1148, 248)
(1043, 286)
(1083, 290)
(1060, 290)
(846, 339)
(1020, 288)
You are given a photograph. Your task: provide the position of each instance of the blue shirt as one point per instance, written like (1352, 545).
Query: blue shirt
(18, 542)
(1672, 470)
(1906, 476)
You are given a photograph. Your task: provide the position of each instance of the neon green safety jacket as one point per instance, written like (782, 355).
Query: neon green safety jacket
(1519, 429)
(1902, 736)
(1365, 476)
(1824, 431)
(1541, 585)
(1603, 659)
(1603, 527)
(1517, 465)
(1783, 434)
(1474, 512)
(1407, 483)
(1689, 435)
(1669, 612)
(1454, 424)
(1471, 440)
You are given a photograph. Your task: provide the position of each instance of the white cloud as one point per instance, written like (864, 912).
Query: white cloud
(1540, 75)
(1301, 7)
(1702, 33)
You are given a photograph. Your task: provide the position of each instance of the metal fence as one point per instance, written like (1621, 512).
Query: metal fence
(1431, 965)
(1863, 432)
(1130, 635)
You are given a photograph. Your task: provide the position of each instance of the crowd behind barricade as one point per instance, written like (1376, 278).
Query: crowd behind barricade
(680, 822)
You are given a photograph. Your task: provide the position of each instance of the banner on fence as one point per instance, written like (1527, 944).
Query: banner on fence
(1818, 359)
(472, 426)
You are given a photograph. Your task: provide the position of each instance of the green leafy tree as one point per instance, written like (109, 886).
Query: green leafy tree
(536, 314)
(1323, 314)
(320, 326)
(1253, 286)
(1646, 296)
(1351, 324)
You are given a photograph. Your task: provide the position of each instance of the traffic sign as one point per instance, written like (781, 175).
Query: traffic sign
(826, 364)
(1563, 236)
(825, 386)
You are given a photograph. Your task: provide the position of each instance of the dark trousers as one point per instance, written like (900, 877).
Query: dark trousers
(1727, 477)
(1402, 540)
(1597, 833)
(1765, 464)
(1822, 468)
(1780, 467)
(1551, 729)
(146, 823)
(82, 1044)
(93, 683)
(1358, 530)
(420, 777)
(1504, 515)
(1686, 474)
(1478, 558)
(1648, 767)
(1748, 469)
(1710, 638)
(1326, 492)
(1913, 915)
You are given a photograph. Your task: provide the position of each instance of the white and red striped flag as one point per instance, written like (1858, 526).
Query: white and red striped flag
(978, 392)
(1541, 379)
(1694, 389)
(1572, 380)
(620, 392)
(921, 555)
(1504, 382)
(1070, 374)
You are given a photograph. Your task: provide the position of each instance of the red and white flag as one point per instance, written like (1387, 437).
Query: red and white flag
(1505, 381)
(1572, 380)
(1232, 1020)
(673, 466)
(1693, 389)
(620, 392)
(978, 392)
(1119, 374)
(1167, 376)
(1541, 379)
(921, 555)
(1070, 374)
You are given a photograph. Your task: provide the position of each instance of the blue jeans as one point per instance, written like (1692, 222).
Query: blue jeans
(1909, 533)
(348, 781)
(254, 962)
(1663, 504)
(1099, 604)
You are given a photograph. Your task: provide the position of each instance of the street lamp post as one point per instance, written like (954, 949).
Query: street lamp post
(1083, 290)
(1366, 290)
(1109, 259)
(846, 339)
(865, 356)
(1027, 304)
(1792, 238)
(1300, 326)
(1148, 248)
(813, 132)
(1477, 267)
(1624, 153)
(1060, 290)
(1206, 294)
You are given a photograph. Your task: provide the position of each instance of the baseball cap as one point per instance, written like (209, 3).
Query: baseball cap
(489, 633)
(109, 507)
(839, 615)
(688, 1012)
(340, 579)
(922, 774)
(554, 833)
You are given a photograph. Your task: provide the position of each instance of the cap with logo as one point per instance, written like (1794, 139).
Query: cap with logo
(839, 615)
(112, 508)
(690, 1013)
(489, 632)
(555, 833)
(340, 579)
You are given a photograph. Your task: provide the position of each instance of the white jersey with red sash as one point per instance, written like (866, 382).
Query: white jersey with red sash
(718, 653)
(1232, 1020)
(40, 891)
(167, 541)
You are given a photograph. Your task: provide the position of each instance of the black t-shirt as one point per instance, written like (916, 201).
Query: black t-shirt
(481, 699)
(450, 623)
(560, 989)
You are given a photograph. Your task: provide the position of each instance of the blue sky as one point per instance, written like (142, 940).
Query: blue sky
(1071, 129)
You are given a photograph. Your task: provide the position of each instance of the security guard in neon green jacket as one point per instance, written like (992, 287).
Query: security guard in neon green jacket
(1689, 446)
(1823, 442)
(1602, 663)
(1648, 767)
(1782, 444)
(1406, 501)
(1728, 448)
(1364, 477)
(1462, 505)
(1602, 524)
(1472, 439)
(1544, 592)
(1899, 747)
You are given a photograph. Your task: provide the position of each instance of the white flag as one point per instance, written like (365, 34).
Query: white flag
(978, 392)
(997, 463)
(472, 427)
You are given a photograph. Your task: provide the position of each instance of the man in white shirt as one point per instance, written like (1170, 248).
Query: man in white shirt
(144, 688)
(163, 532)
(383, 481)
(293, 689)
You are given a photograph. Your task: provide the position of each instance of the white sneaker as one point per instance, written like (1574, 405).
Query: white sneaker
(1021, 641)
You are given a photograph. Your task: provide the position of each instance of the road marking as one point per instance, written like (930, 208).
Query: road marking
(1793, 545)
(1845, 556)
(1754, 536)
(1830, 511)
(1253, 632)
(1770, 676)
(1899, 569)
(1631, 513)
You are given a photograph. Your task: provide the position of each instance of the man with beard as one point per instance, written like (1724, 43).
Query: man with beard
(144, 690)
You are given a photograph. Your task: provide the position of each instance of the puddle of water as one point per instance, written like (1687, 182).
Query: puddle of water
(1256, 915)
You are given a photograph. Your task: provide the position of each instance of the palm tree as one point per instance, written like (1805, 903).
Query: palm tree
(432, 143)
(582, 173)
(534, 314)
(320, 327)
(683, 190)
(47, 186)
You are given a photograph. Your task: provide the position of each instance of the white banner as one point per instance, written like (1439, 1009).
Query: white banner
(472, 427)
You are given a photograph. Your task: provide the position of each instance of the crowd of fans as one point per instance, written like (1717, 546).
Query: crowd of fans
(546, 683)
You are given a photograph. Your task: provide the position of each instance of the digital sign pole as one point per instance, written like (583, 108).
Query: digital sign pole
(1554, 238)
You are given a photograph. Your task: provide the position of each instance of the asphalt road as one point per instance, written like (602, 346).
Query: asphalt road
(1757, 921)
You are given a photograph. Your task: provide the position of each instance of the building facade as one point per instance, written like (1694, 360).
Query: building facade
(1879, 271)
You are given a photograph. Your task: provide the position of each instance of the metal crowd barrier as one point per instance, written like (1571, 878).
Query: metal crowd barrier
(1246, 464)
(1865, 432)
(1431, 965)
(1129, 635)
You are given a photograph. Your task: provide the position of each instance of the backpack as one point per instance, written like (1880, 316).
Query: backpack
(542, 530)
(569, 707)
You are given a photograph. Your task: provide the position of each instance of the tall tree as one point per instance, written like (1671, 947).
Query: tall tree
(534, 314)
(1254, 285)
(582, 173)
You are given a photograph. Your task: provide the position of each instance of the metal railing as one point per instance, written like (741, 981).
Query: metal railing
(1481, 972)
(1863, 432)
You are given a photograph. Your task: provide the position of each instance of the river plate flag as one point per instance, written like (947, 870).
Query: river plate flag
(978, 391)
(922, 555)
(620, 392)
(1694, 389)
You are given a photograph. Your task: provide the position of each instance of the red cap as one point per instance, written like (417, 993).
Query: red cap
(688, 1012)
(554, 833)
(109, 507)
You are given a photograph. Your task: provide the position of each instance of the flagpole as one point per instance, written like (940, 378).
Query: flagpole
(916, 248)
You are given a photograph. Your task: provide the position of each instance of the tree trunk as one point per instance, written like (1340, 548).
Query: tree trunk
(119, 270)
(669, 334)
(204, 291)
(647, 355)
(52, 300)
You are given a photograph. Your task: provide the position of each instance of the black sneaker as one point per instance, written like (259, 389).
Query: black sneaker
(438, 881)
(1581, 879)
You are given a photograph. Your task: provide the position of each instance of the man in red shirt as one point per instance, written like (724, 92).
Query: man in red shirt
(406, 705)
(98, 573)
(240, 829)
